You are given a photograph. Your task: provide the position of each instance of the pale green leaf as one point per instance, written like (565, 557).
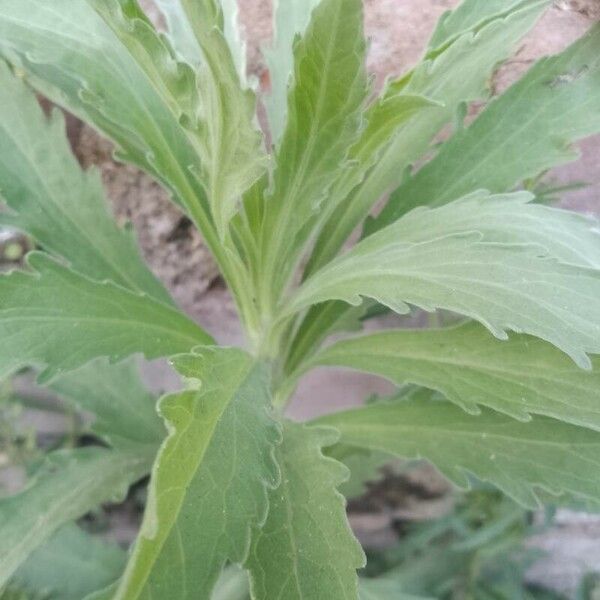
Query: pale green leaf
(228, 140)
(505, 285)
(519, 377)
(209, 484)
(385, 588)
(180, 31)
(457, 75)
(291, 18)
(51, 199)
(469, 16)
(519, 458)
(233, 584)
(123, 409)
(68, 485)
(71, 565)
(324, 120)
(527, 130)
(233, 35)
(306, 549)
(58, 319)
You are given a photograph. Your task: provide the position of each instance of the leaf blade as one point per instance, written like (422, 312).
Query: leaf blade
(60, 320)
(517, 457)
(213, 471)
(306, 529)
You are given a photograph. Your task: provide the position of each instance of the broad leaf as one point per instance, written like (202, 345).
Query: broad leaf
(291, 18)
(555, 104)
(519, 377)
(210, 482)
(123, 410)
(519, 458)
(324, 119)
(306, 548)
(71, 565)
(460, 74)
(52, 200)
(68, 485)
(485, 274)
(58, 319)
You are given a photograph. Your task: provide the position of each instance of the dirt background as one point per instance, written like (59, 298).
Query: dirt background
(398, 30)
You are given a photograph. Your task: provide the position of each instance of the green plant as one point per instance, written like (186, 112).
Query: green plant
(232, 480)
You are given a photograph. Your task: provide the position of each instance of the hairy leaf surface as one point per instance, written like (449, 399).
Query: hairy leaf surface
(68, 485)
(519, 377)
(306, 548)
(457, 75)
(210, 482)
(329, 89)
(71, 565)
(291, 18)
(517, 457)
(485, 274)
(51, 199)
(58, 319)
(527, 130)
(123, 409)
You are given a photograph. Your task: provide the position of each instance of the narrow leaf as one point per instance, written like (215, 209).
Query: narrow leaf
(52, 200)
(291, 18)
(71, 565)
(460, 74)
(555, 104)
(306, 548)
(60, 320)
(68, 485)
(485, 274)
(210, 481)
(329, 89)
(519, 458)
(123, 409)
(519, 377)
(180, 31)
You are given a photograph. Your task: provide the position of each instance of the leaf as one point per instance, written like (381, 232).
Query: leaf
(458, 75)
(71, 565)
(324, 120)
(485, 274)
(291, 18)
(56, 203)
(61, 320)
(519, 458)
(518, 377)
(229, 143)
(306, 548)
(209, 484)
(67, 486)
(232, 585)
(555, 104)
(180, 31)
(123, 409)
(384, 588)
(233, 35)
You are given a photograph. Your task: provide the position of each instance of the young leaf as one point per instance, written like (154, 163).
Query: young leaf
(329, 89)
(123, 409)
(519, 458)
(210, 481)
(61, 320)
(229, 143)
(68, 485)
(460, 74)
(180, 31)
(555, 104)
(52, 200)
(306, 548)
(519, 377)
(482, 273)
(291, 18)
(71, 565)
